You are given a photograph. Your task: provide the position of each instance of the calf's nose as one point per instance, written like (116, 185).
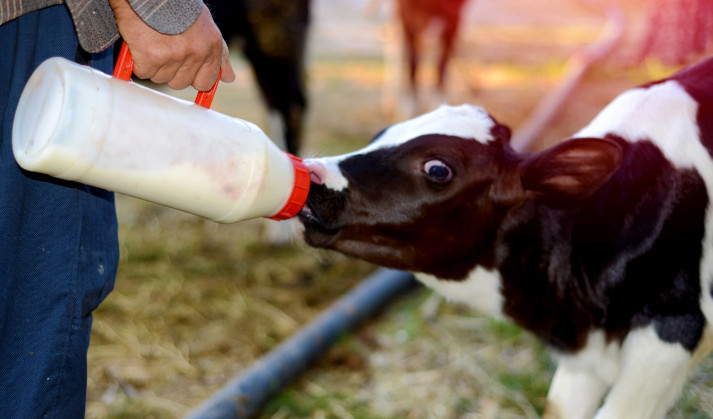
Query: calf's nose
(317, 171)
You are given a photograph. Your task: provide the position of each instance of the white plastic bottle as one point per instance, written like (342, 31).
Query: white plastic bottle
(76, 123)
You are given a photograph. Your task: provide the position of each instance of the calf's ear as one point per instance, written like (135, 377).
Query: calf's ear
(571, 170)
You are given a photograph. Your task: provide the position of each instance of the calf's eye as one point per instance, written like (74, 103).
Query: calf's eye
(438, 171)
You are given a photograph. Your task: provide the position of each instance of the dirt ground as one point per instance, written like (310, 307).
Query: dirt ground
(196, 302)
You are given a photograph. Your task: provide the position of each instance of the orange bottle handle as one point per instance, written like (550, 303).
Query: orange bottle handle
(125, 66)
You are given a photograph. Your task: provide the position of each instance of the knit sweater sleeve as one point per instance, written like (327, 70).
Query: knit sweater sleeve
(96, 25)
(168, 16)
(11, 9)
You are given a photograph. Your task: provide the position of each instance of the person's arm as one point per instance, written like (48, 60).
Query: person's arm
(190, 58)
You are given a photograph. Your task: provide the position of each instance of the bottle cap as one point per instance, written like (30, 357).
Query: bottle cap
(300, 191)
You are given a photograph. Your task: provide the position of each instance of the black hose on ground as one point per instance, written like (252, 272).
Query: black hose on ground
(245, 395)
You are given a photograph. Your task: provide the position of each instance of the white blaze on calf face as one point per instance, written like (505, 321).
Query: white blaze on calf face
(464, 121)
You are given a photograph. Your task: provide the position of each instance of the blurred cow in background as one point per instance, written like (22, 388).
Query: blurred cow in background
(273, 36)
(414, 20)
(416, 16)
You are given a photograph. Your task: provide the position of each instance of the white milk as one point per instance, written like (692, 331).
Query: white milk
(76, 123)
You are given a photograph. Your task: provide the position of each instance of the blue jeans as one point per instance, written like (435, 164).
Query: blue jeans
(58, 244)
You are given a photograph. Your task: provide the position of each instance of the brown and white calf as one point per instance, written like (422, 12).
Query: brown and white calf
(601, 246)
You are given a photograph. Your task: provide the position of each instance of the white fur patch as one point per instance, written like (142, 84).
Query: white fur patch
(666, 115)
(480, 290)
(465, 121)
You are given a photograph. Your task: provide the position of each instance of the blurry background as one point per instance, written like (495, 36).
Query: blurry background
(197, 302)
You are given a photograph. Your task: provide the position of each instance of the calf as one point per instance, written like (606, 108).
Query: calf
(601, 245)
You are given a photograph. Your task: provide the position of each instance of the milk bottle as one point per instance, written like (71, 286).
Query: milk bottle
(75, 123)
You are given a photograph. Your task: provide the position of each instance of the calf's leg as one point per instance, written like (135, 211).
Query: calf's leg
(575, 393)
(651, 376)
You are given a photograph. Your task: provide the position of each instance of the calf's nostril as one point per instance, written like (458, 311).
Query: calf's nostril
(317, 172)
(315, 179)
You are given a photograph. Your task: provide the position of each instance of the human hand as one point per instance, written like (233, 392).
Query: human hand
(191, 58)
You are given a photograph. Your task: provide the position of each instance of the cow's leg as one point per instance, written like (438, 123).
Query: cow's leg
(582, 379)
(412, 39)
(651, 376)
(575, 393)
(413, 22)
(448, 40)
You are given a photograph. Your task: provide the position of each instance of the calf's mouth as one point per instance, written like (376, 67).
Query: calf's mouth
(319, 216)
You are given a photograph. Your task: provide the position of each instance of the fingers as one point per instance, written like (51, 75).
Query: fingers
(207, 53)
(206, 74)
(226, 67)
(160, 64)
(192, 58)
(204, 79)
(197, 70)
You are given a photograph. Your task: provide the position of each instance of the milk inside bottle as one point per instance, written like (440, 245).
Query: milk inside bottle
(76, 123)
